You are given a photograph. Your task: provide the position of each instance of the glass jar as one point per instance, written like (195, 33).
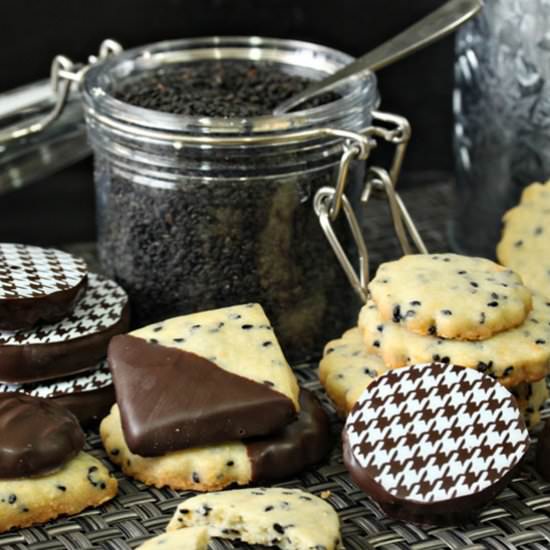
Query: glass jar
(502, 116)
(197, 213)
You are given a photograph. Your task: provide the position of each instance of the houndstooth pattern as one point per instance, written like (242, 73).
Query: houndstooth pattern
(31, 271)
(99, 309)
(80, 383)
(436, 432)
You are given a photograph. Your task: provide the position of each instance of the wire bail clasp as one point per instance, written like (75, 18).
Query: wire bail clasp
(63, 75)
(329, 201)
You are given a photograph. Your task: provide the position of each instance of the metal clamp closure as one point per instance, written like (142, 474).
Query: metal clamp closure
(63, 74)
(330, 201)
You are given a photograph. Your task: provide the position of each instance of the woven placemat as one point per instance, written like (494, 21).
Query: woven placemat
(518, 519)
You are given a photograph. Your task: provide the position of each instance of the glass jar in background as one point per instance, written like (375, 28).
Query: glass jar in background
(189, 224)
(502, 116)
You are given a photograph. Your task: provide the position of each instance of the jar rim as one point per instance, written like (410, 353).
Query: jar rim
(357, 93)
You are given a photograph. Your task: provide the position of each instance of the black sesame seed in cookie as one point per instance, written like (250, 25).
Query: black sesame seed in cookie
(396, 314)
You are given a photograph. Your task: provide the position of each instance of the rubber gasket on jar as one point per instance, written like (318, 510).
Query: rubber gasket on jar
(74, 344)
(38, 285)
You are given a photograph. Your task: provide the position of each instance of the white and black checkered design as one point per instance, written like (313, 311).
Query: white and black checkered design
(99, 309)
(436, 432)
(33, 272)
(80, 383)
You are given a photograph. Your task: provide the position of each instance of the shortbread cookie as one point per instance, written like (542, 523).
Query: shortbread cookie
(304, 442)
(193, 538)
(37, 436)
(74, 344)
(83, 482)
(38, 285)
(434, 443)
(88, 396)
(530, 399)
(524, 243)
(450, 296)
(517, 355)
(221, 374)
(290, 519)
(346, 369)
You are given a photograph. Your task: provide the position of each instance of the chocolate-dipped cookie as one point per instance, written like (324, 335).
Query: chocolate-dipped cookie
(74, 344)
(36, 436)
(43, 471)
(304, 442)
(434, 443)
(38, 285)
(88, 395)
(221, 374)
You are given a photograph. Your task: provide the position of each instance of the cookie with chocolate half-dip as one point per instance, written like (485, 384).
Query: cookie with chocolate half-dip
(88, 395)
(38, 285)
(434, 443)
(36, 436)
(74, 344)
(304, 442)
(222, 377)
(43, 471)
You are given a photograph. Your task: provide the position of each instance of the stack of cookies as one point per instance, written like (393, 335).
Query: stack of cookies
(56, 320)
(451, 309)
(208, 400)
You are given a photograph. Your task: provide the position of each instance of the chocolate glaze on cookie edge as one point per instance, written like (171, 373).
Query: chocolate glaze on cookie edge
(305, 441)
(89, 407)
(37, 436)
(39, 362)
(25, 313)
(447, 512)
(202, 404)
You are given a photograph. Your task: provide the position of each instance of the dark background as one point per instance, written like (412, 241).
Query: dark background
(32, 32)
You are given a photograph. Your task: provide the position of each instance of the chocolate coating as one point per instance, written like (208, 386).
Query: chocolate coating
(37, 436)
(38, 362)
(542, 457)
(24, 313)
(450, 512)
(170, 399)
(89, 407)
(304, 442)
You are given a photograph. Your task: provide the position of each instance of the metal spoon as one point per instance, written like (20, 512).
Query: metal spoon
(434, 26)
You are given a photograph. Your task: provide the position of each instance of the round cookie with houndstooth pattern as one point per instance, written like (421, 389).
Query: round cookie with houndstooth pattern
(434, 443)
(38, 285)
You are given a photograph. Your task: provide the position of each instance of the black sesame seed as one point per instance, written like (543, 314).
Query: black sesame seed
(246, 327)
(538, 230)
(279, 528)
(482, 318)
(519, 243)
(396, 314)
(540, 341)
(474, 284)
(230, 463)
(432, 330)
(446, 312)
(157, 329)
(153, 341)
(196, 478)
(61, 488)
(415, 303)
(184, 511)
(268, 508)
(492, 304)
(380, 328)
(376, 343)
(11, 499)
(267, 344)
(178, 340)
(114, 452)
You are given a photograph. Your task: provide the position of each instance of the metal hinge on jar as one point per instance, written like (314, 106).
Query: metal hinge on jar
(330, 201)
(64, 73)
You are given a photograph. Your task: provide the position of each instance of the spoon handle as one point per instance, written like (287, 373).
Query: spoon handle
(434, 26)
